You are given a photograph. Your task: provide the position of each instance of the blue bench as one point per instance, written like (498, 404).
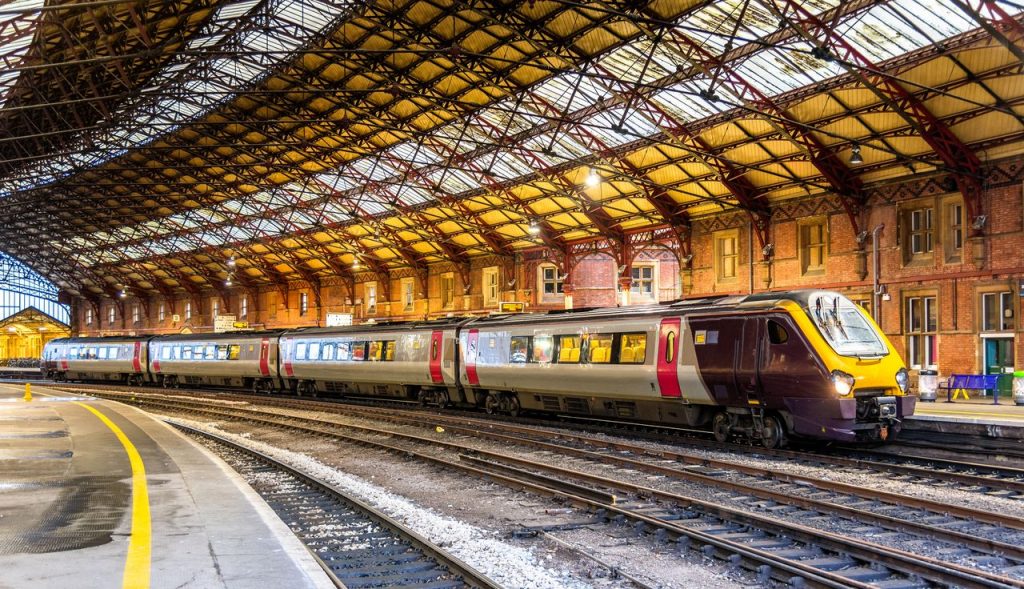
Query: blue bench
(961, 383)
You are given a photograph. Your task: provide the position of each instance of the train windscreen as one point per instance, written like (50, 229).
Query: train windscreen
(844, 327)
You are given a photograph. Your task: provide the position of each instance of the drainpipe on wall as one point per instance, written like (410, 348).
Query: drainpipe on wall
(876, 286)
(750, 252)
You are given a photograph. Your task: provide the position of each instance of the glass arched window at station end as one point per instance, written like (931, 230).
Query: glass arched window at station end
(21, 288)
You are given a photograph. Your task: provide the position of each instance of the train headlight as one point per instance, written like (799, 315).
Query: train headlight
(842, 382)
(903, 379)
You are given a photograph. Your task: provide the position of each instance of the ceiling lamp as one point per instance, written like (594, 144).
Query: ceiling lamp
(231, 262)
(534, 227)
(228, 282)
(355, 264)
(123, 293)
(593, 178)
(855, 157)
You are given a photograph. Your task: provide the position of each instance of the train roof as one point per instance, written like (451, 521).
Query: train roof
(106, 339)
(711, 304)
(210, 336)
(382, 326)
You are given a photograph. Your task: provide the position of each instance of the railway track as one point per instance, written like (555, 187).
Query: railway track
(777, 532)
(1001, 480)
(357, 544)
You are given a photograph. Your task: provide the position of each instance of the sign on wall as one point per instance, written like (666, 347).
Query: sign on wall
(339, 319)
(222, 323)
(512, 307)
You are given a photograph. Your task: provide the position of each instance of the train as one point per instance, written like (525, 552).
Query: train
(806, 364)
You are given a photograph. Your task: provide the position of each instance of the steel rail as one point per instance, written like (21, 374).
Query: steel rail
(455, 565)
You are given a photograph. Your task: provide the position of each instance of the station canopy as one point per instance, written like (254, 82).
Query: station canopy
(160, 146)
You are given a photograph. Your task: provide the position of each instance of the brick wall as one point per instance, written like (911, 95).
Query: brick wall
(956, 282)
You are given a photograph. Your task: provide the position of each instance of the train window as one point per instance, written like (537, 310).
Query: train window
(73, 354)
(233, 351)
(211, 352)
(176, 353)
(670, 347)
(197, 352)
(300, 351)
(542, 348)
(165, 352)
(777, 334)
(389, 351)
(519, 352)
(600, 349)
(314, 351)
(569, 349)
(343, 351)
(222, 352)
(359, 351)
(375, 350)
(186, 353)
(327, 351)
(633, 348)
(103, 353)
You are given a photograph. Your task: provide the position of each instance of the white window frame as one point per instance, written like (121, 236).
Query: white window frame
(447, 284)
(243, 307)
(188, 310)
(135, 314)
(408, 286)
(303, 304)
(636, 286)
(804, 237)
(215, 305)
(491, 286)
(921, 231)
(1003, 301)
(161, 312)
(88, 316)
(920, 336)
(111, 315)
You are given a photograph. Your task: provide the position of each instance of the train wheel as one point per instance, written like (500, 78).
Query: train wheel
(492, 404)
(720, 427)
(513, 406)
(773, 435)
(167, 382)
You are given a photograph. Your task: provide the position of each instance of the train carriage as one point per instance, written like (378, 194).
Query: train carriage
(809, 363)
(239, 359)
(415, 360)
(118, 359)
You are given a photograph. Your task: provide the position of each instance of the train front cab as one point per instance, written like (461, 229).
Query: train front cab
(779, 374)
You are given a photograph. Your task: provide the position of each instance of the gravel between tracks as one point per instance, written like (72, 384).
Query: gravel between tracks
(440, 509)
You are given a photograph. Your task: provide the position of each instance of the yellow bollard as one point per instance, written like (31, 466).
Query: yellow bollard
(28, 391)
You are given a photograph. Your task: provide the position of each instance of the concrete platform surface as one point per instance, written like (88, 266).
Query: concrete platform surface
(975, 416)
(72, 503)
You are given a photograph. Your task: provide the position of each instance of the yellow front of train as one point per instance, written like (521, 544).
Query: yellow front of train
(866, 373)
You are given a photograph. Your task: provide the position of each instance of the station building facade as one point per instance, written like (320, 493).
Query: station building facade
(948, 300)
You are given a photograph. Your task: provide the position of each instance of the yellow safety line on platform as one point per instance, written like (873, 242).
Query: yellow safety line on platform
(1016, 416)
(136, 567)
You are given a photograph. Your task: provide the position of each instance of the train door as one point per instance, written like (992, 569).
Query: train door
(472, 350)
(137, 357)
(265, 357)
(436, 345)
(667, 360)
(64, 351)
(748, 381)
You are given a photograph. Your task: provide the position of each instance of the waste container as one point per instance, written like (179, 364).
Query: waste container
(928, 384)
(1018, 387)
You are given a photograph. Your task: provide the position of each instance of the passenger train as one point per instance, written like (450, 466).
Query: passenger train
(807, 364)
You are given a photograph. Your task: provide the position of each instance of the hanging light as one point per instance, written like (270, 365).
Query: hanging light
(355, 264)
(593, 178)
(123, 293)
(534, 227)
(228, 282)
(855, 157)
(231, 262)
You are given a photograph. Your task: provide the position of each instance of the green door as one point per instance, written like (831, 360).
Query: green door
(998, 355)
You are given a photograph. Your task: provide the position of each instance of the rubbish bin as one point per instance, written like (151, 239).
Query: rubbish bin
(1018, 387)
(928, 384)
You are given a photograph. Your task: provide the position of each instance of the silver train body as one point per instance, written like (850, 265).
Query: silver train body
(808, 361)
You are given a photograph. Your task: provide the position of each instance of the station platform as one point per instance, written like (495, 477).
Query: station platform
(95, 494)
(975, 416)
